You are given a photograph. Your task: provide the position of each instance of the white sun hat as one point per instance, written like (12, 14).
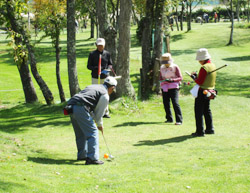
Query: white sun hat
(202, 54)
(167, 55)
(100, 41)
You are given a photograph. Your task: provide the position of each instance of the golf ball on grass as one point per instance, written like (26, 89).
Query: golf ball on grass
(106, 156)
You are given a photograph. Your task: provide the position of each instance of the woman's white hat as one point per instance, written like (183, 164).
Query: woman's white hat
(167, 55)
(202, 54)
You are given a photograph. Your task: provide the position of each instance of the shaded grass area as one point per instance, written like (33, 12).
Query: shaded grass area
(149, 154)
(25, 116)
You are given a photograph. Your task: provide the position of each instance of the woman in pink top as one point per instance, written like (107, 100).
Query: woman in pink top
(170, 77)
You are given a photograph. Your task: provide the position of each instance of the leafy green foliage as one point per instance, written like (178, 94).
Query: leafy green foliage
(50, 17)
(20, 53)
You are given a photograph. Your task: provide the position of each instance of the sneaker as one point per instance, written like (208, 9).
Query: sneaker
(178, 123)
(93, 162)
(197, 134)
(168, 121)
(209, 131)
(106, 116)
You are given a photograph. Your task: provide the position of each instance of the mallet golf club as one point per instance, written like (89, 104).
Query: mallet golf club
(209, 72)
(110, 156)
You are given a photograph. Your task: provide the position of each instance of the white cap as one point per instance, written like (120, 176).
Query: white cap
(110, 81)
(202, 54)
(100, 41)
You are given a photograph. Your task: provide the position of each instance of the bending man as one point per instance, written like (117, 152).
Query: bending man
(88, 106)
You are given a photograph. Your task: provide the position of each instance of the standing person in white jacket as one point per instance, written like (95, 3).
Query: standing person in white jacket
(170, 77)
(88, 109)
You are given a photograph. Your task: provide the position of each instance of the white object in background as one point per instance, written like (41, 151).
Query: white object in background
(194, 90)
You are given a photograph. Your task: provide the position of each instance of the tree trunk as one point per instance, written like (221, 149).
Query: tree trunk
(176, 21)
(124, 86)
(106, 31)
(182, 11)
(111, 44)
(135, 19)
(158, 40)
(19, 29)
(92, 25)
(176, 18)
(232, 29)
(71, 49)
(113, 18)
(189, 19)
(232, 23)
(23, 69)
(43, 86)
(146, 50)
(248, 16)
(117, 15)
(158, 35)
(101, 10)
(58, 77)
(238, 10)
(28, 86)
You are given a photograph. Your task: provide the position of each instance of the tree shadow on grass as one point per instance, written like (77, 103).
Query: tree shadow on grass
(138, 123)
(233, 85)
(237, 59)
(25, 116)
(8, 186)
(43, 160)
(181, 52)
(175, 38)
(164, 141)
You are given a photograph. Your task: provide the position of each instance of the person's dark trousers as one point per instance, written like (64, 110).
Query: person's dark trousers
(172, 94)
(202, 108)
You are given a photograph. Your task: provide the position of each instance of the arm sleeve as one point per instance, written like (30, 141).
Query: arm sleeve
(90, 62)
(178, 75)
(201, 77)
(110, 63)
(100, 109)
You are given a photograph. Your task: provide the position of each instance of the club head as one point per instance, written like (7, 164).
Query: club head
(111, 157)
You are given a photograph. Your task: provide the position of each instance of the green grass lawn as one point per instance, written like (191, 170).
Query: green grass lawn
(38, 151)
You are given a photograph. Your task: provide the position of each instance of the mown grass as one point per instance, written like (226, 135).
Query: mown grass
(38, 152)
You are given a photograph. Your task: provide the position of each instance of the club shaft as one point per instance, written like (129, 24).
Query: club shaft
(218, 68)
(106, 143)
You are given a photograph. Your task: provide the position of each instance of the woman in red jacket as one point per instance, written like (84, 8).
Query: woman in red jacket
(206, 81)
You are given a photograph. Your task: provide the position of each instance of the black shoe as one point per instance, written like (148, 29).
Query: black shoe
(168, 121)
(93, 162)
(106, 116)
(209, 131)
(81, 159)
(197, 134)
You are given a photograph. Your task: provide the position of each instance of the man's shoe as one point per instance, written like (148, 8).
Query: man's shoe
(106, 116)
(197, 134)
(168, 121)
(209, 131)
(178, 123)
(93, 162)
(81, 159)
